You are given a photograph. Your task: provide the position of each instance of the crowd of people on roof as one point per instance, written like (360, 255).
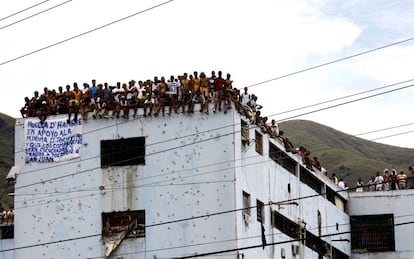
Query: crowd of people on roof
(179, 94)
(389, 181)
(382, 182)
(176, 94)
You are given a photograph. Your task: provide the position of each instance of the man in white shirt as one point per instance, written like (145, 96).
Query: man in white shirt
(379, 180)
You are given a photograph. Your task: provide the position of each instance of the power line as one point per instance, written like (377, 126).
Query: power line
(274, 243)
(334, 61)
(30, 7)
(192, 218)
(33, 15)
(232, 125)
(340, 104)
(342, 97)
(151, 154)
(393, 135)
(156, 184)
(393, 127)
(87, 32)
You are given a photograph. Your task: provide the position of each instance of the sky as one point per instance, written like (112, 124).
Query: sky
(291, 54)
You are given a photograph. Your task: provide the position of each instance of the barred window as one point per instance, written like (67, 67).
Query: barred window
(372, 233)
(280, 157)
(260, 211)
(246, 203)
(307, 178)
(285, 225)
(131, 223)
(245, 133)
(259, 143)
(122, 152)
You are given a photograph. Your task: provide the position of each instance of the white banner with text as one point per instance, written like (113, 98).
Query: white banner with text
(53, 141)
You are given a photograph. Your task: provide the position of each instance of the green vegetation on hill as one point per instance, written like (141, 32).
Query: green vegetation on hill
(348, 156)
(6, 158)
(345, 155)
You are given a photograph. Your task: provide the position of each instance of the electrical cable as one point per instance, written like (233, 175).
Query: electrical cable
(33, 15)
(157, 224)
(86, 32)
(273, 243)
(289, 117)
(393, 135)
(30, 7)
(340, 104)
(288, 111)
(374, 131)
(333, 61)
(154, 184)
(342, 97)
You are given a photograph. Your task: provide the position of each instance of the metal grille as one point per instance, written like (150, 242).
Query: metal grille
(372, 233)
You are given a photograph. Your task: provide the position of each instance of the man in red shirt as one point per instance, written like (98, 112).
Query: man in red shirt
(218, 89)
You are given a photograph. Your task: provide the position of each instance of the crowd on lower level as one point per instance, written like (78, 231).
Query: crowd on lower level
(6, 216)
(390, 181)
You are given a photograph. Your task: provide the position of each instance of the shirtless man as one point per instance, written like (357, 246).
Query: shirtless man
(163, 98)
(186, 91)
(227, 92)
(74, 102)
(204, 91)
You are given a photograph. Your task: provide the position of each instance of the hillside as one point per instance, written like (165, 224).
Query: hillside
(6, 158)
(348, 156)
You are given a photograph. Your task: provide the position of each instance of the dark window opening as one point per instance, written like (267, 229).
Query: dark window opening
(245, 133)
(315, 243)
(293, 230)
(130, 223)
(330, 195)
(7, 232)
(307, 178)
(122, 152)
(285, 225)
(246, 203)
(260, 211)
(372, 233)
(282, 158)
(259, 143)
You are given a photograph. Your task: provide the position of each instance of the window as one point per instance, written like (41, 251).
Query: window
(246, 203)
(307, 178)
(292, 229)
(7, 232)
(122, 152)
(285, 225)
(130, 222)
(259, 142)
(330, 195)
(372, 233)
(282, 158)
(260, 211)
(245, 133)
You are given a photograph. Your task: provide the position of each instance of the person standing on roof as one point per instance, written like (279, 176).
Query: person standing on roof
(379, 181)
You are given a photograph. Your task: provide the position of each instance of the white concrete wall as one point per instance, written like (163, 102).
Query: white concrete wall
(267, 181)
(189, 172)
(195, 166)
(7, 248)
(398, 203)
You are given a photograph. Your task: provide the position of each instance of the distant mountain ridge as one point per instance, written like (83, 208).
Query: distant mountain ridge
(345, 155)
(348, 156)
(6, 158)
